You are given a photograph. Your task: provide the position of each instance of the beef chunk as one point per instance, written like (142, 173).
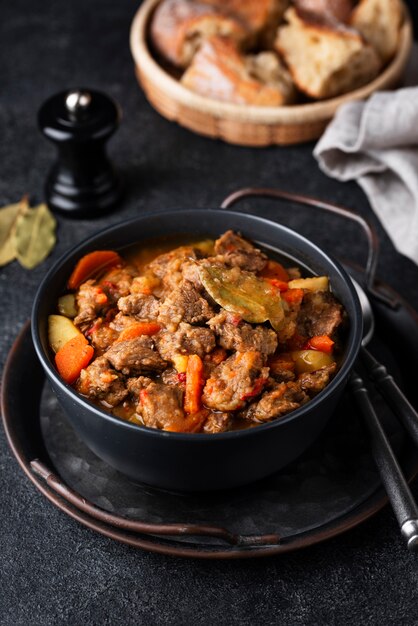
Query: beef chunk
(320, 314)
(140, 306)
(117, 282)
(169, 267)
(135, 356)
(100, 381)
(234, 381)
(160, 406)
(282, 399)
(135, 385)
(233, 250)
(281, 368)
(289, 324)
(218, 423)
(171, 261)
(213, 359)
(186, 340)
(121, 321)
(91, 302)
(171, 376)
(190, 272)
(102, 336)
(283, 375)
(288, 396)
(314, 382)
(242, 336)
(146, 284)
(184, 304)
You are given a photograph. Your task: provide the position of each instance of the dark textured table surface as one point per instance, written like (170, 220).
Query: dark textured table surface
(54, 571)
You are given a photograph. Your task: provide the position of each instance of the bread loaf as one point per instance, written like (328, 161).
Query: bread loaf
(260, 16)
(379, 21)
(219, 71)
(179, 26)
(324, 61)
(328, 47)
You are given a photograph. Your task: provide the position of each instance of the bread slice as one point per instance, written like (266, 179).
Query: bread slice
(260, 16)
(324, 61)
(179, 26)
(379, 21)
(219, 71)
(267, 68)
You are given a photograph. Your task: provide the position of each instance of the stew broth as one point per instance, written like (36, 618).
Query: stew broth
(193, 335)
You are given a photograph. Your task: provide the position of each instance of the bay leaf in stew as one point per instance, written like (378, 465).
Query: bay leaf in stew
(244, 294)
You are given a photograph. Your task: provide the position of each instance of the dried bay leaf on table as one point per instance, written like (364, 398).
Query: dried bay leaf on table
(244, 294)
(34, 235)
(8, 219)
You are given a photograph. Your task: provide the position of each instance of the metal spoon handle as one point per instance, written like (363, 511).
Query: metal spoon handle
(399, 494)
(386, 384)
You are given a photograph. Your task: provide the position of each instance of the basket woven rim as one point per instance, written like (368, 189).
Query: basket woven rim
(148, 67)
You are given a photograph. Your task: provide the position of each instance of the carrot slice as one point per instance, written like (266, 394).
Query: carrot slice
(74, 356)
(293, 296)
(217, 356)
(191, 424)
(273, 269)
(280, 362)
(323, 343)
(138, 329)
(194, 384)
(91, 264)
(281, 285)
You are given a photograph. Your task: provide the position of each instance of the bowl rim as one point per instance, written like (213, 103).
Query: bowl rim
(287, 114)
(355, 333)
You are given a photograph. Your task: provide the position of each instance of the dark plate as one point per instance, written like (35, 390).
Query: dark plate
(331, 488)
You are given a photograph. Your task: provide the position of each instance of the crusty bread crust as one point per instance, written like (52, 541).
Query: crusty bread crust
(178, 27)
(328, 47)
(260, 16)
(325, 62)
(219, 71)
(380, 21)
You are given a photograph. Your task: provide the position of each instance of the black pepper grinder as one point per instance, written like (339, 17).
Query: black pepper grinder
(82, 182)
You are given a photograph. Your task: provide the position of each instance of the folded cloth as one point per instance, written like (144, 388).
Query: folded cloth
(376, 143)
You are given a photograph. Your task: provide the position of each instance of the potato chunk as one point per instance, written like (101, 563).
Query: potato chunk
(310, 360)
(314, 283)
(60, 330)
(67, 305)
(180, 362)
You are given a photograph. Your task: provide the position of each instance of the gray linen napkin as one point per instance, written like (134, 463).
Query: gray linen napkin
(376, 143)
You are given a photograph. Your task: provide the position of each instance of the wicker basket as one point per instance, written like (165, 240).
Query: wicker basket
(241, 124)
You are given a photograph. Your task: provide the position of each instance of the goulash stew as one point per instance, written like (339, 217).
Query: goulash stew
(203, 338)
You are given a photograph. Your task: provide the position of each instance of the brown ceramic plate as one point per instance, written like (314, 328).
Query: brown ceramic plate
(331, 488)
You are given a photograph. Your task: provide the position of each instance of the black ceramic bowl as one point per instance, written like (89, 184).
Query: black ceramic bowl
(194, 462)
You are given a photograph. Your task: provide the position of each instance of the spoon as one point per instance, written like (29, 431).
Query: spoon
(399, 494)
(366, 309)
(379, 374)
